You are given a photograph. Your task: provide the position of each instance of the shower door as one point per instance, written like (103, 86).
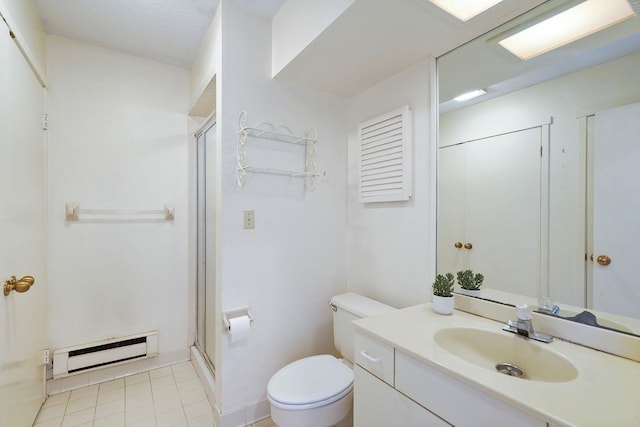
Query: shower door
(205, 273)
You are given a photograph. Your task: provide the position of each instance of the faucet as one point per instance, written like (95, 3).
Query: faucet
(523, 326)
(546, 306)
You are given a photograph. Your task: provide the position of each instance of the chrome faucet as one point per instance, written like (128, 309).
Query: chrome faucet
(523, 326)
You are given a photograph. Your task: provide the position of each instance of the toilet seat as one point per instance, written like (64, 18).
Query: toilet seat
(310, 383)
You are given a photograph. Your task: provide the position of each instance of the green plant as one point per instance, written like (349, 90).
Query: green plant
(467, 280)
(443, 285)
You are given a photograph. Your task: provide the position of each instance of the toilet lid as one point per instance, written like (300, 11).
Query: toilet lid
(309, 380)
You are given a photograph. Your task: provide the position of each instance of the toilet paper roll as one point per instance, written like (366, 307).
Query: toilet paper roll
(239, 328)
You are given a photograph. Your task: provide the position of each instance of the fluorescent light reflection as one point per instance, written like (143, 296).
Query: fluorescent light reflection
(575, 23)
(465, 9)
(470, 95)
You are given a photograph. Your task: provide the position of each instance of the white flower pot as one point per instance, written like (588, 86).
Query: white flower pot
(442, 305)
(469, 292)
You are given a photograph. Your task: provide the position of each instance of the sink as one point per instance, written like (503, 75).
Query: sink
(489, 349)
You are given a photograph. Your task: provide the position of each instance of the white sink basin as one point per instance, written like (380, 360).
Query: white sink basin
(488, 349)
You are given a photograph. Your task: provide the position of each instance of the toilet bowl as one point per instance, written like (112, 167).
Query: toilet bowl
(317, 391)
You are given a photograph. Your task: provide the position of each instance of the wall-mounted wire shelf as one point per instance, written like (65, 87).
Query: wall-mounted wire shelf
(276, 136)
(73, 213)
(281, 172)
(270, 132)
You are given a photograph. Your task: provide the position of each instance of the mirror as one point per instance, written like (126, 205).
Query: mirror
(537, 179)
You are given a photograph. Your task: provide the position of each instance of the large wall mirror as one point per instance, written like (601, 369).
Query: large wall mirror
(539, 177)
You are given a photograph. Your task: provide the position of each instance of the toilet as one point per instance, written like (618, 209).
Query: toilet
(317, 391)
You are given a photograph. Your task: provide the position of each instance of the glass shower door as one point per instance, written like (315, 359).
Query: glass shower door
(205, 273)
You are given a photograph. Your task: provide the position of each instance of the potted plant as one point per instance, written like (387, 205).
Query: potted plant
(469, 282)
(443, 294)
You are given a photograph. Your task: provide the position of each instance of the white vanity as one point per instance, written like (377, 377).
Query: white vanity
(417, 368)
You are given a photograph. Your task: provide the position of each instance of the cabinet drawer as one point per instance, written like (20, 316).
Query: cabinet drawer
(458, 403)
(375, 357)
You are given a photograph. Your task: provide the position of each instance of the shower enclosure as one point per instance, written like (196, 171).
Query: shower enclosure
(205, 241)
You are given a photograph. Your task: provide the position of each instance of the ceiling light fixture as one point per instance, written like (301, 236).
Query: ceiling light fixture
(470, 95)
(586, 18)
(465, 9)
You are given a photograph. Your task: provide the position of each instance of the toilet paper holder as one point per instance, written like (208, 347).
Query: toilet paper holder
(231, 314)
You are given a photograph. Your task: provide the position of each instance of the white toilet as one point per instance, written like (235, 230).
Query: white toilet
(317, 391)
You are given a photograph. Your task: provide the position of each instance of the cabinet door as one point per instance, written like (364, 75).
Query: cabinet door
(377, 404)
(457, 402)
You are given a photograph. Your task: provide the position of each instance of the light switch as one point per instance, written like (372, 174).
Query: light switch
(249, 219)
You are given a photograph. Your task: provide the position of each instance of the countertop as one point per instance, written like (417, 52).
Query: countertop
(605, 393)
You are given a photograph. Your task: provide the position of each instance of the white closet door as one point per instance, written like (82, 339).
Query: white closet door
(616, 203)
(502, 205)
(451, 209)
(22, 230)
(490, 199)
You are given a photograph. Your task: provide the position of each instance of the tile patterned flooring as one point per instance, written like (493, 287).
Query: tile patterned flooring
(164, 397)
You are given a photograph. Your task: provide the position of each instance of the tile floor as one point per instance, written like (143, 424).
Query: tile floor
(169, 396)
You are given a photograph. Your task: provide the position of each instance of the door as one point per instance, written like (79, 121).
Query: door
(452, 256)
(206, 292)
(503, 206)
(22, 232)
(616, 228)
(490, 207)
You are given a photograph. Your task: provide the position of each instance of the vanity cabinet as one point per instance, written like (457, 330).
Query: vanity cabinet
(416, 394)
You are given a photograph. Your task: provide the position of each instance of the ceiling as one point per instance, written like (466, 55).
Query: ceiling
(375, 39)
(499, 72)
(370, 41)
(167, 31)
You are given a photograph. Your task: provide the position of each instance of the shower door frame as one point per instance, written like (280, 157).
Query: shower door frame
(205, 276)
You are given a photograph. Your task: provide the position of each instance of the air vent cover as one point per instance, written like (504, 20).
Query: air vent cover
(385, 157)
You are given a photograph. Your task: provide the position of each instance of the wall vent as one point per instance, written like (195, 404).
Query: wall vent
(385, 157)
(83, 358)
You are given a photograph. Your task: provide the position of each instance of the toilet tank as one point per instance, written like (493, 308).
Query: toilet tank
(347, 308)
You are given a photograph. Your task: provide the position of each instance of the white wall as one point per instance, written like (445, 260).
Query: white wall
(392, 245)
(117, 140)
(289, 266)
(206, 62)
(298, 23)
(568, 100)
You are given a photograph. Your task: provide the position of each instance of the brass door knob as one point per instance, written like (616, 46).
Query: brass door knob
(468, 245)
(20, 286)
(458, 245)
(603, 260)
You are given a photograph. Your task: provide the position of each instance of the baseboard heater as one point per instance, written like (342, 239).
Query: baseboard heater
(87, 357)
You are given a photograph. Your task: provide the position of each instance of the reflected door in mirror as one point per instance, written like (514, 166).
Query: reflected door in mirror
(490, 200)
(616, 196)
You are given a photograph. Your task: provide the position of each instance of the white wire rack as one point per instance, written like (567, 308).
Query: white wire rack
(282, 134)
